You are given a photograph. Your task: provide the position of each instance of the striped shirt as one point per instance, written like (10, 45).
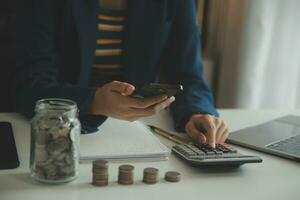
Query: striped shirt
(107, 65)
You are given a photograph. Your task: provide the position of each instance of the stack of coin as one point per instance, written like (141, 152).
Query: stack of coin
(150, 175)
(100, 173)
(126, 174)
(172, 176)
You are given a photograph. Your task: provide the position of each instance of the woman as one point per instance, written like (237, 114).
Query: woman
(97, 52)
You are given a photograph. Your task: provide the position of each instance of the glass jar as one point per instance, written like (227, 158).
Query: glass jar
(55, 140)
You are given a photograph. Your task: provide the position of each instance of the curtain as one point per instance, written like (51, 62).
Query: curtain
(260, 62)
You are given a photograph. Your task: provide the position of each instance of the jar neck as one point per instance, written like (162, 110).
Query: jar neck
(58, 107)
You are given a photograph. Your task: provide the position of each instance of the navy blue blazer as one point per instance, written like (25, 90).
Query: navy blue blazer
(56, 44)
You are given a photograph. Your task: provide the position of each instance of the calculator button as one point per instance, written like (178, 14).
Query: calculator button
(218, 152)
(194, 148)
(199, 152)
(209, 150)
(180, 149)
(210, 153)
(198, 157)
(222, 149)
(177, 147)
(232, 150)
(226, 148)
(191, 153)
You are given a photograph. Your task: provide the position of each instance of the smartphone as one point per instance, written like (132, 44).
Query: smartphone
(155, 89)
(8, 152)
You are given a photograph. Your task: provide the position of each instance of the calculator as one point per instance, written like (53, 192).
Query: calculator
(203, 154)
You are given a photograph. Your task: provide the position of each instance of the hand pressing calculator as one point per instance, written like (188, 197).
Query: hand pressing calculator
(203, 154)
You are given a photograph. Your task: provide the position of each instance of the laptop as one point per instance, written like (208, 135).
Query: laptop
(279, 137)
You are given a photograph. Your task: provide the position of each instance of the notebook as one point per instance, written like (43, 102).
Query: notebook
(122, 140)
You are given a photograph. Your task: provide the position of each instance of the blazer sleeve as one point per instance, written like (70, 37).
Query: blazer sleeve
(184, 66)
(38, 60)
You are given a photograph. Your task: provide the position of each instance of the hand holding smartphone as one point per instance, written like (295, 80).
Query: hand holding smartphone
(123, 101)
(156, 89)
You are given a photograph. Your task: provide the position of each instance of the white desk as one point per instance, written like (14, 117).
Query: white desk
(275, 178)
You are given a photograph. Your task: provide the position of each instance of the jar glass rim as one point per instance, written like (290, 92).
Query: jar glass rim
(56, 104)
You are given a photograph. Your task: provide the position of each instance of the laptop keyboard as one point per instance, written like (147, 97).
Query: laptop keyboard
(290, 145)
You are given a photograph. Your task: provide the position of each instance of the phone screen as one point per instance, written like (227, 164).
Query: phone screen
(155, 89)
(8, 151)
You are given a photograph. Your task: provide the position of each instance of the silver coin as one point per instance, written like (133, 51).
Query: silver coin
(172, 176)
